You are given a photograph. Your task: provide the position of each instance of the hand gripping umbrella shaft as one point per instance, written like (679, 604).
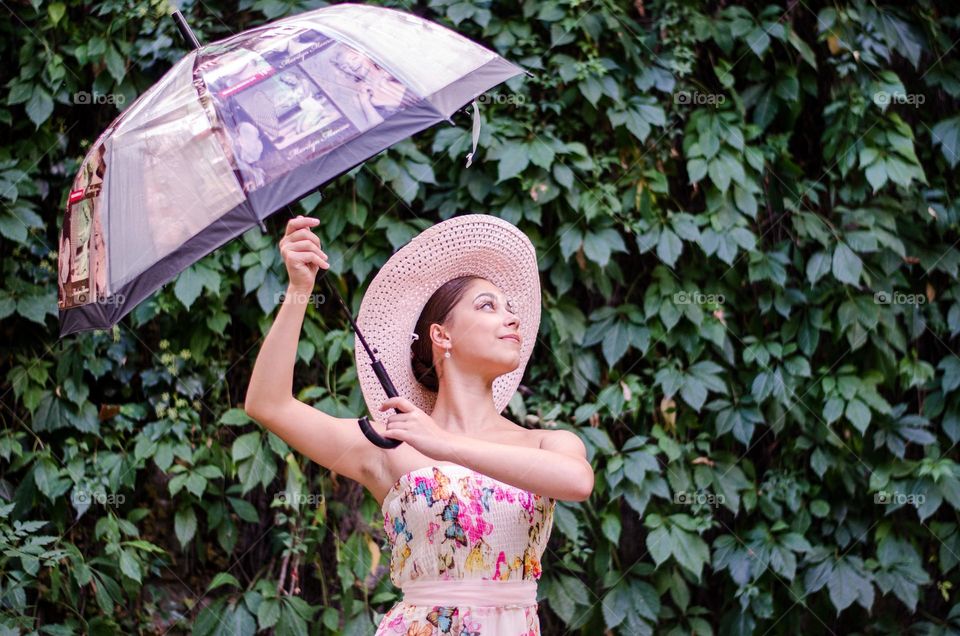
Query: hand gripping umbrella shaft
(380, 372)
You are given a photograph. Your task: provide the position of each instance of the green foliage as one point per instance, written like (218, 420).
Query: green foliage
(747, 231)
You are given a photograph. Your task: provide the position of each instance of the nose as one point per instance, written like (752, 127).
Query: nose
(512, 320)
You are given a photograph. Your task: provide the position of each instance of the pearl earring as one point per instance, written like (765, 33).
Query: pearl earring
(447, 354)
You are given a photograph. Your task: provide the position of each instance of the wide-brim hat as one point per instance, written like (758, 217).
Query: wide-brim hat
(471, 244)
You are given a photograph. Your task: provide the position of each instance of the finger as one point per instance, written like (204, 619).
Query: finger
(399, 403)
(406, 405)
(301, 221)
(310, 258)
(303, 246)
(298, 237)
(320, 259)
(303, 233)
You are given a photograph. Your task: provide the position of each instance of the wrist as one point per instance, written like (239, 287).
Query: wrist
(298, 294)
(451, 447)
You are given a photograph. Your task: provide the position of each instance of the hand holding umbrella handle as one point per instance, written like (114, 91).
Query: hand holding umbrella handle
(364, 423)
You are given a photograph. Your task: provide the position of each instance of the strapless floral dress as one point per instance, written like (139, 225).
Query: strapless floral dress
(466, 552)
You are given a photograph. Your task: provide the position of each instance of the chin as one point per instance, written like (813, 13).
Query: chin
(503, 366)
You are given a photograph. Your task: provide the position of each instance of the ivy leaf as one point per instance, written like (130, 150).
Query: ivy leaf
(196, 484)
(129, 565)
(877, 175)
(571, 238)
(849, 582)
(115, 64)
(245, 446)
(669, 247)
(185, 525)
(693, 392)
(422, 172)
(596, 249)
(951, 374)
(658, 544)
(541, 154)
(615, 343)
(818, 266)
(513, 160)
(758, 41)
(719, 173)
(40, 106)
(946, 134)
(611, 528)
(696, 169)
(689, 550)
(745, 201)
(846, 265)
(591, 89)
(188, 286)
(858, 414)
(56, 11)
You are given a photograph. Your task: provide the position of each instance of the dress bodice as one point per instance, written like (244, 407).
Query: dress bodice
(448, 521)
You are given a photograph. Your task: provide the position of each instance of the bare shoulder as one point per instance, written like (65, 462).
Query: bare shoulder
(563, 441)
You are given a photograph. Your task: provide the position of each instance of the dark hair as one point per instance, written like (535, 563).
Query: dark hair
(434, 311)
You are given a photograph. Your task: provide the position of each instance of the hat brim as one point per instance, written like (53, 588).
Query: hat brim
(471, 244)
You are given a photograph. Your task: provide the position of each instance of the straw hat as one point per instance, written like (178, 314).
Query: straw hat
(471, 244)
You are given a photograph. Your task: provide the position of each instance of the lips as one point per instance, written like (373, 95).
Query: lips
(511, 337)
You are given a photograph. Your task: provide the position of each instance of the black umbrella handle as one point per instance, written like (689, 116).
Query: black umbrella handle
(364, 423)
(374, 436)
(391, 391)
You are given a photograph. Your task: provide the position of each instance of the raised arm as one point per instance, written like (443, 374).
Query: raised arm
(335, 443)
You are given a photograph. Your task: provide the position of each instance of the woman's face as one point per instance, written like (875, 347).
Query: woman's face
(478, 325)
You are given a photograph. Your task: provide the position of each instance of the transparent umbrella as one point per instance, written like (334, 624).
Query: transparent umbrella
(240, 128)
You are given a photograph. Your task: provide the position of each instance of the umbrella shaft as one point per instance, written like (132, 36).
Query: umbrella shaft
(185, 30)
(353, 324)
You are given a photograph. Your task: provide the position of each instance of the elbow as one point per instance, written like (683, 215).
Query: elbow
(253, 407)
(586, 483)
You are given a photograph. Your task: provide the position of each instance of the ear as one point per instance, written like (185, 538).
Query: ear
(438, 335)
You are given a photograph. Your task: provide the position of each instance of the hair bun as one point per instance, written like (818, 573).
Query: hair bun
(424, 371)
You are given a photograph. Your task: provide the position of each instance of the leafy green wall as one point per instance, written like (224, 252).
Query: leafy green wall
(747, 225)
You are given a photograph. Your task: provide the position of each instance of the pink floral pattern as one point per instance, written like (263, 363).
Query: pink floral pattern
(450, 522)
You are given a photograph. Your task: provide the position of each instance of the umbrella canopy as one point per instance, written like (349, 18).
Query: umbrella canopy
(241, 127)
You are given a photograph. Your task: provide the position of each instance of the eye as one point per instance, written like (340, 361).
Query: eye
(485, 303)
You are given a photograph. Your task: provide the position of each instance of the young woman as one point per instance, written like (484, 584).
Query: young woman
(468, 498)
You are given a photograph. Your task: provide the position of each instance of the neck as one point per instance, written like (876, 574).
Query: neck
(465, 403)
